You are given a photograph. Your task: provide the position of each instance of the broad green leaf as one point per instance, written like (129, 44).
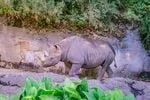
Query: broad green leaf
(58, 91)
(83, 86)
(69, 83)
(41, 85)
(89, 95)
(16, 96)
(70, 88)
(117, 94)
(72, 93)
(28, 84)
(42, 91)
(45, 97)
(47, 83)
(98, 94)
(29, 98)
(27, 87)
(34, 83)
(3, 97)
(95, 94)
(107, 95)
(66, 97)
(130, 97)
(32, 91)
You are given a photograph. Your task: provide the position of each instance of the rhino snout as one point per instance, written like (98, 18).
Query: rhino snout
(50, 62)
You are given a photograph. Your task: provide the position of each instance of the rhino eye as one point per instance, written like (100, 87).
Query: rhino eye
(50, 58)
(45, 56)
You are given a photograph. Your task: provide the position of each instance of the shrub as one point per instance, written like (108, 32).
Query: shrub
(52, 13)
(137, 11)
(96, 15)
(44, 89)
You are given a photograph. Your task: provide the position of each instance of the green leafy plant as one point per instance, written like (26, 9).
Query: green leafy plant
(3, 97)
(137, 11)
(44, 89)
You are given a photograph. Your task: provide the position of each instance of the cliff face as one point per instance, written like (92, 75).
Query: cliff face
(15, 43)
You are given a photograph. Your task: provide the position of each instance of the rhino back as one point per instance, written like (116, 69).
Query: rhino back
(97, 53)
(90, 53)
(76, 52)
(66, 44)
(98, 42)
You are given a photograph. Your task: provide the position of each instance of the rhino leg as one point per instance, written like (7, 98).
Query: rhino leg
(75, 70)
(109, 71)
(102, 72)
(105, 67)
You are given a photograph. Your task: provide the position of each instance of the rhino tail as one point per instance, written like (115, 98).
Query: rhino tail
(115, 64)
(114, 53)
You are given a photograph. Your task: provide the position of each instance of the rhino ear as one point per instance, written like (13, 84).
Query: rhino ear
(57, 50)
(56, 46)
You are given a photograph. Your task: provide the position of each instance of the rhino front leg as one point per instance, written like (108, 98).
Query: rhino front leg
(75, 70)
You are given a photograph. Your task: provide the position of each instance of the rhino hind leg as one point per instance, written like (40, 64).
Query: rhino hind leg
(109, 71)
(105, 67)
(102, 72)
(75, 70)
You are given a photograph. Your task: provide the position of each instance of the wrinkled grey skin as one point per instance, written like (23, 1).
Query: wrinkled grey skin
(83, 53)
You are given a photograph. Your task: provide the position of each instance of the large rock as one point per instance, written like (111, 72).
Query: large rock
(16, 44)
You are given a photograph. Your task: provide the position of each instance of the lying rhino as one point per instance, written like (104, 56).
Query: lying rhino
(85, 53)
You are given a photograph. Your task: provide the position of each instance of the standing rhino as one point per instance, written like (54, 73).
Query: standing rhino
(85, 53)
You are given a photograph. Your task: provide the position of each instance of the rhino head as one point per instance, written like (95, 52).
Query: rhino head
(54, 56)
(34, 57)
(43, 58)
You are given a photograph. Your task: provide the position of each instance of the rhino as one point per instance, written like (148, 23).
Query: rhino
(82, 53)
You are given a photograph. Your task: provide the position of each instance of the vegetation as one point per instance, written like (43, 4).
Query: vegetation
(95, 15)
(137, 11)
(44, 89)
